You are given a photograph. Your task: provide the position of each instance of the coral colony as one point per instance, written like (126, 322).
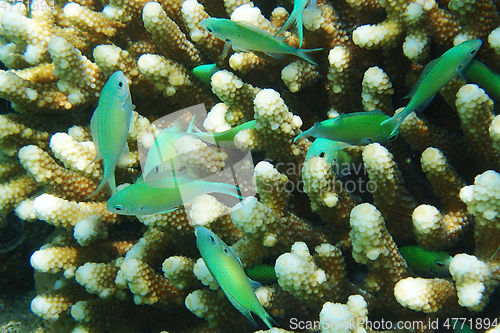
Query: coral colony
(333, 241)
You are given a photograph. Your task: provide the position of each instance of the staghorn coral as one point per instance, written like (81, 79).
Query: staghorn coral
(97, 269)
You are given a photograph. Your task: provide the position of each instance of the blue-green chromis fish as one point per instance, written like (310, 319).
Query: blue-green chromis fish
(435, 76)
(426, 263)
(243, 36)
(163, 195)
(226, 268)
(335, 155)
(264, 273)
(486, 78)
(353, 129)
(296, 16)
(162, 155)
(110, 126)
(204, 72)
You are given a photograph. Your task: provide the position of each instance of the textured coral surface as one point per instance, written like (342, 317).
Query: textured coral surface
(333, 241)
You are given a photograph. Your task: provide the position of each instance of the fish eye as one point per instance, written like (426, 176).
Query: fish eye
(227, 40)
(472, 52)
(120, 84)
(118, 207)
(212, 239)
(210, 29)
(439, 263)
(322, 154)
(226, 251)
(156, 169)
(460, 66)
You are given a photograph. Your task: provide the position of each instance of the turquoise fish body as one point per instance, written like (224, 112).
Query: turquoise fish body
(110, 126)
(204, 72)
(334, 153)
(356, 129)
(486, 78)
(226, 268)
(296, 17)
(425, 262)
(243, 36)
(162, 155)
(435, 76)
(163, 195)
(262, 273)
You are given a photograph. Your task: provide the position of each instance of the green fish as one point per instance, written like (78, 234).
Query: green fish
(243, 36)
(204, 72)
(333, 152)
(262, 273)
(110, 126)
(162, 155)
(489, 80)
(163, 195)
(426, 263)
(435, 76)
(296, 16)
(226, 268)
(353, 129)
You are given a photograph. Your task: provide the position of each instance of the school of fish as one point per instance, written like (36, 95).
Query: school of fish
(112, 119)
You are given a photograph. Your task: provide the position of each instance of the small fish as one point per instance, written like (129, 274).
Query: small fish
(327, 149)
(486, 78)
(426, 263)
(162, 155)
(262, 273)
(335, 155)
(435, 76)
(296, 16)
(204, 72)
(353, 129)
(226, 268)
(243, 36)
(110, 126)
(461, 326)
(163, 195)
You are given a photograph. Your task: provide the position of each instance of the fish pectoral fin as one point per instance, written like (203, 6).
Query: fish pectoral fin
(426, 71)
(227, 48)
(124, 159)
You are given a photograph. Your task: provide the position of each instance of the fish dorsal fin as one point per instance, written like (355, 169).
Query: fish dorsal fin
(179, 126)
(124, 158)
(247, 25)
(426, 71)
(356, 114)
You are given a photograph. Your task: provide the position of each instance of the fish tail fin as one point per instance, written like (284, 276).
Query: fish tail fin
(304, 54)
(300, 29)
(291, 20)
(106, 182)
(268, 320)
(396, 120)
(307, 133)
(229, 189)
